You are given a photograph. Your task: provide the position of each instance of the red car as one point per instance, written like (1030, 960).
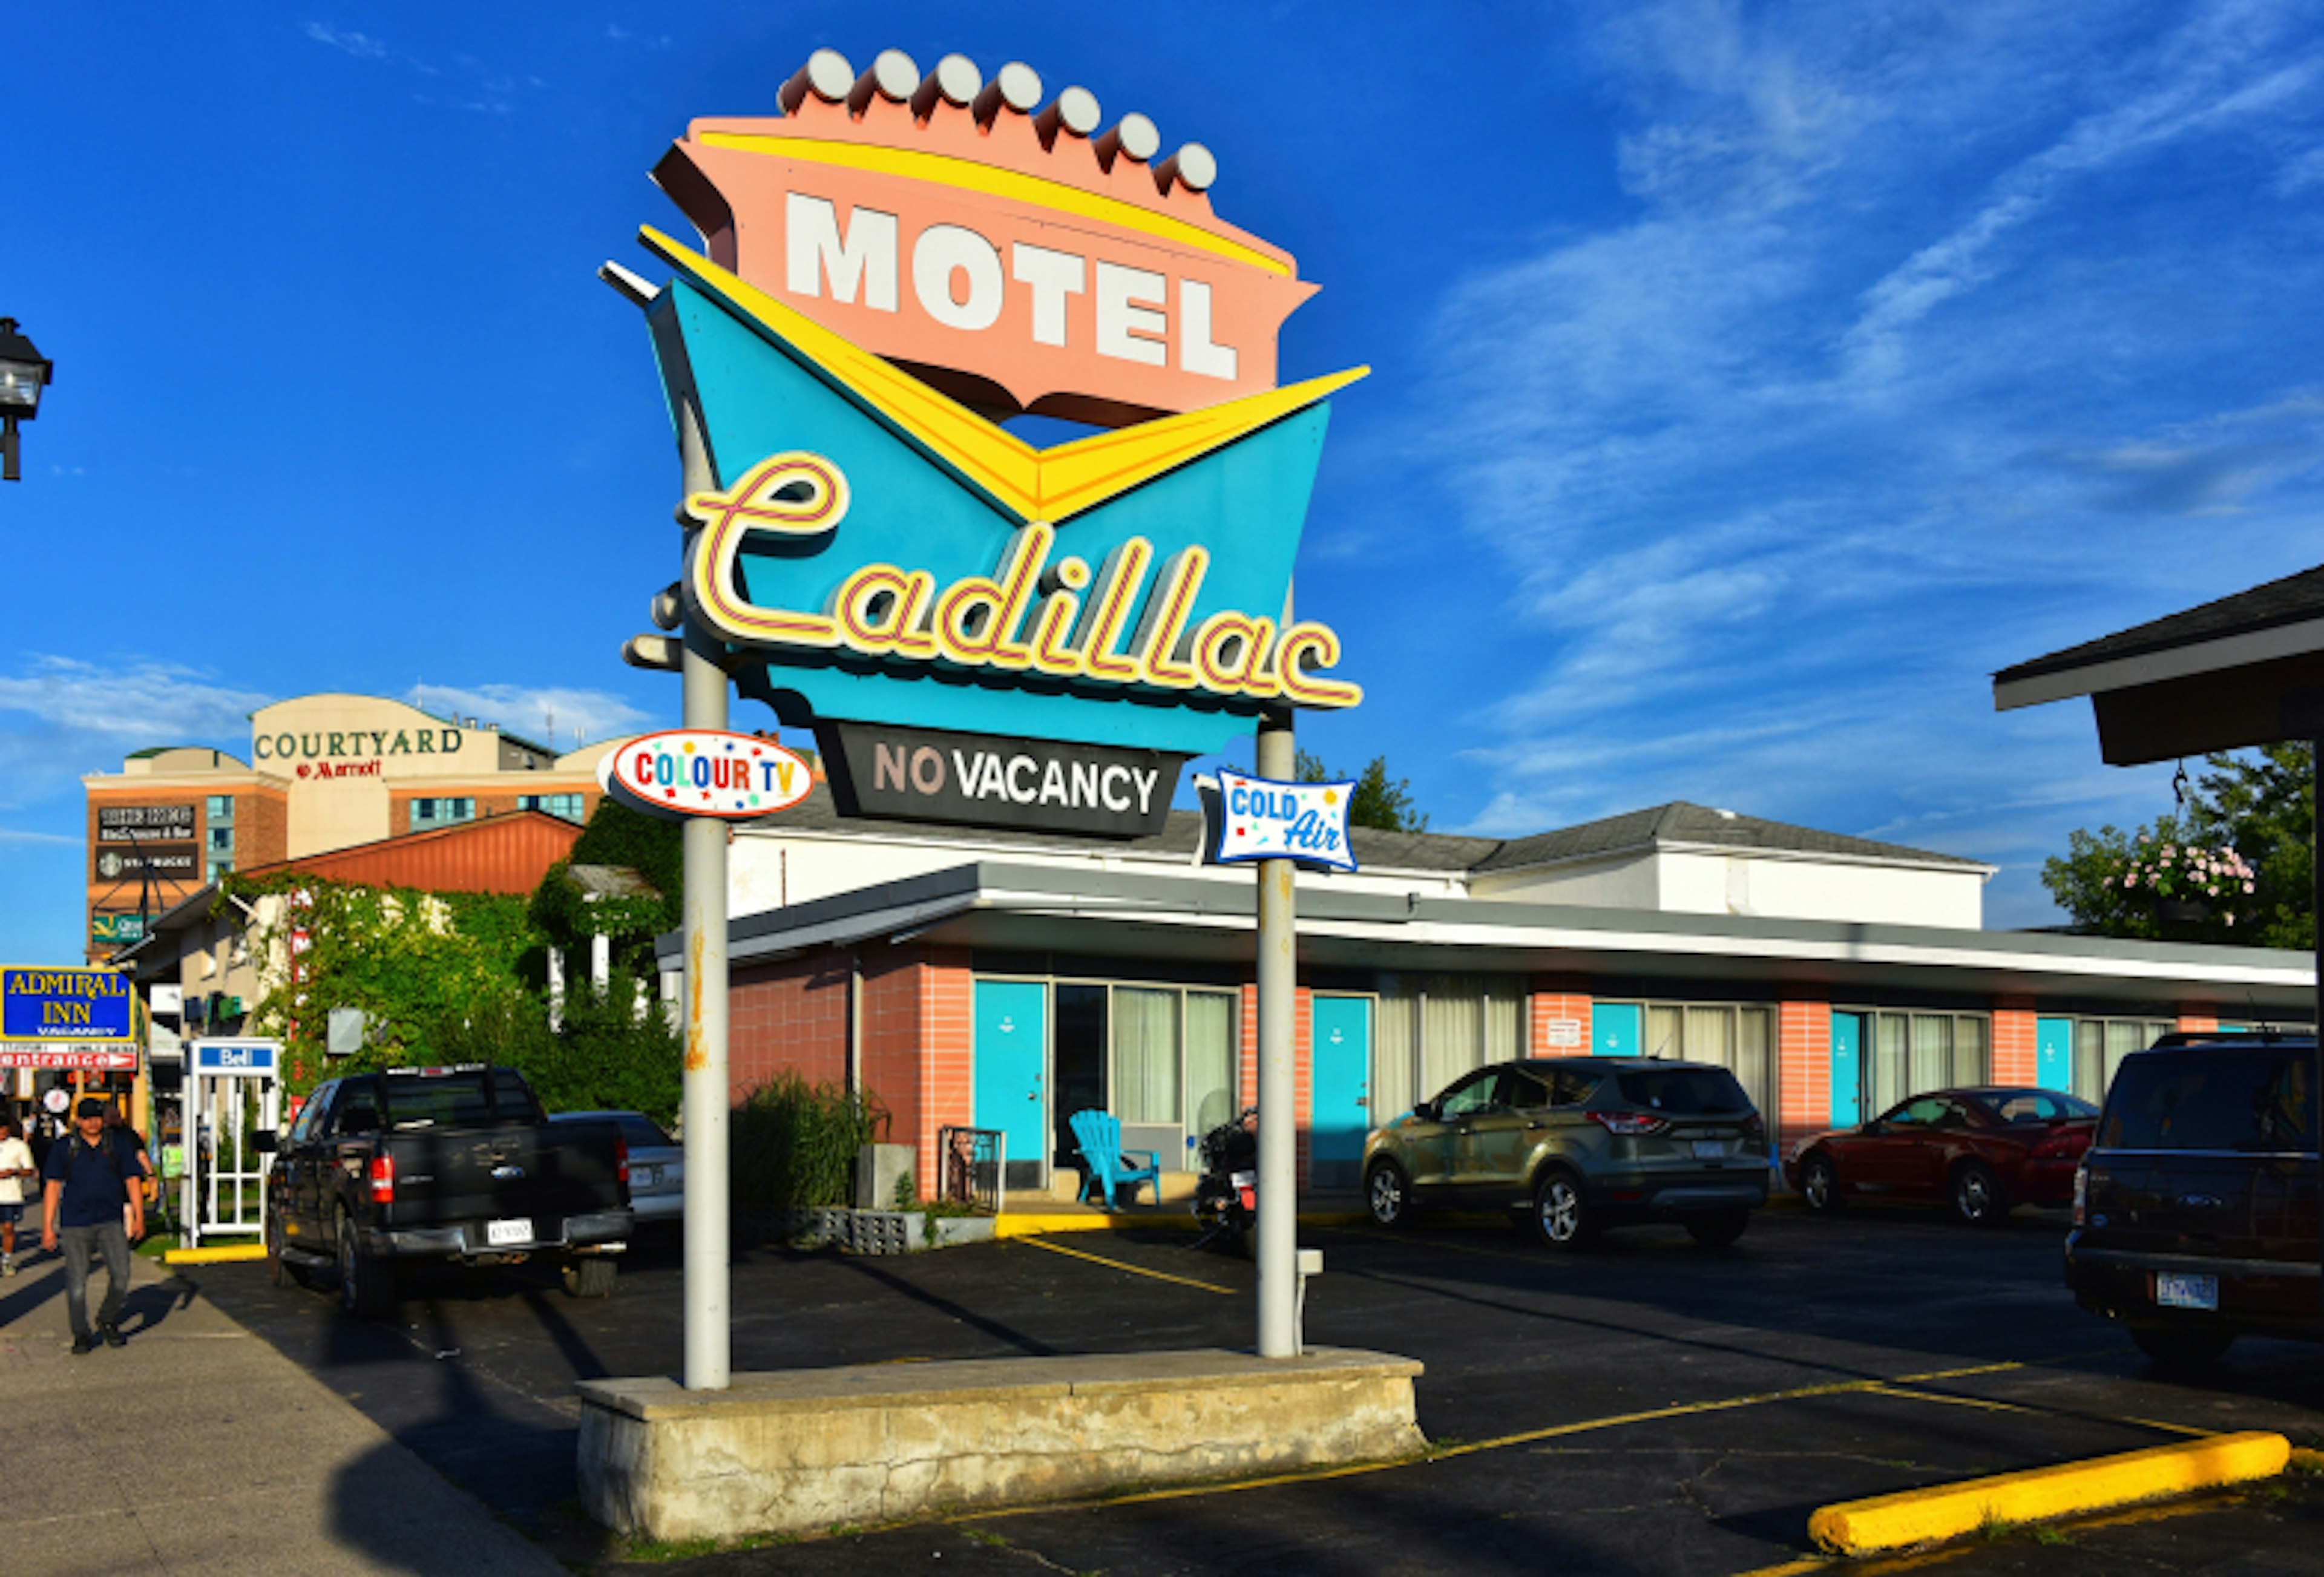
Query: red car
(1975, 1152)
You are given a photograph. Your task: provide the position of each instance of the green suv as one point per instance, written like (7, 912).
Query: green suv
(1581, 1144)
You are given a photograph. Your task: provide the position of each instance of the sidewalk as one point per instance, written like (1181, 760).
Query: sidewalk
(197, 1448)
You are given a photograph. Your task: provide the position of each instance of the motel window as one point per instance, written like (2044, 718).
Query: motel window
(426, 814)
(1160, 1058)
(1739, 1037)
(1913, 1052)
(1434, 1028)
(568, 806)
(218, 868)
(2101, 1044)
(221, 839)
(221, 810)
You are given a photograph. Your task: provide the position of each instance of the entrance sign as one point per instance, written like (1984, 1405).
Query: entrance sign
(1258, 819)
(977, 780)
(704, 771)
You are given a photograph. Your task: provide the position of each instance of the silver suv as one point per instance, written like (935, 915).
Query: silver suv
(1582, 1144)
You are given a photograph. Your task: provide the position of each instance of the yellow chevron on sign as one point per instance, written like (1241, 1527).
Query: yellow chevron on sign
(1031, 484)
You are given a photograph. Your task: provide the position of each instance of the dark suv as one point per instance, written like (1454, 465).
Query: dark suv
(2195, 1209)
(1581, 1144)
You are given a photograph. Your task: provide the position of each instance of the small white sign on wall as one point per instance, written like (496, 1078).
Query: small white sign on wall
(1563, 1034)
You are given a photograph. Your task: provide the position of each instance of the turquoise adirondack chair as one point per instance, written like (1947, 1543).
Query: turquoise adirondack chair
(1099, 1133)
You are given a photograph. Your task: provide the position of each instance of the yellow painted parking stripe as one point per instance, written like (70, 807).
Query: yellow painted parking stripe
(1119, 1265)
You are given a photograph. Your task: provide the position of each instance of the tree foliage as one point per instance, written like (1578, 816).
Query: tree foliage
(2235, 863)
(1375, 801)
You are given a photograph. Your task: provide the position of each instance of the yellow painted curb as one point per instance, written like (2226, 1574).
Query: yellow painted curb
(1038, 1224)
(228, 1255)
(1889, 1522)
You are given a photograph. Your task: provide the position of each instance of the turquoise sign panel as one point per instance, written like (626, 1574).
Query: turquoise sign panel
(1011, 1057)
(1615, 1028)
(1338, 1118)
(1245, 504)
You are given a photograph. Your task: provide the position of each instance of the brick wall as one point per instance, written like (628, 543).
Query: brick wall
(1555, 996)
(2015, 1054)
(947, 1066)
(787, 1015)
(1802, 1070)
(1302, 1052)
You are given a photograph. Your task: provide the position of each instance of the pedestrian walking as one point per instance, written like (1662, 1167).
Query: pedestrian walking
(90, 1175)
(18, 1177)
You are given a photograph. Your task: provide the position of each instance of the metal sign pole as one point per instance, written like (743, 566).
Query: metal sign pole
(709, 1334)
(1278, 997)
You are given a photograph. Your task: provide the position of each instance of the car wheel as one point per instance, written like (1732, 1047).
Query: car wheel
(1976, 1195)
(1387, 1193)
(2181, 1347)
(366, 1283)
(1561, 1212)
(278, 1270)
(1820, 1184)
(1717, 1231)
(590, 1275)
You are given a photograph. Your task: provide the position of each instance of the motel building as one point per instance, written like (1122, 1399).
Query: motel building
(1006, 980)
(324, 772)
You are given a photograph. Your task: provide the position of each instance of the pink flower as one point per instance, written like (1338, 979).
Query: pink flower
(2231, 919)
(2131, 879)
(2248, 887)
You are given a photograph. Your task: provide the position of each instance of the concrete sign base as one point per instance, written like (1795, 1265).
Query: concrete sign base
(803, 1451)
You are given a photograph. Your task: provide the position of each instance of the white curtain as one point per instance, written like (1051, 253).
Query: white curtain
(1145, 1056)
(1888, 1062)
(1393, 1094)
(2090, 1070)
(1452, 1031)
(1933, 1053)
(1505, 1018)
(1211, 1092)
(1972, 1058)
(2123, 1037)
(1755, 1063)
(1666, 1033)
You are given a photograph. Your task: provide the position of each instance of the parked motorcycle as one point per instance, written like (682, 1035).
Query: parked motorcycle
(1226, 1196)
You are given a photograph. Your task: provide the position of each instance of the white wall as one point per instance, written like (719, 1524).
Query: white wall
(1622, 881)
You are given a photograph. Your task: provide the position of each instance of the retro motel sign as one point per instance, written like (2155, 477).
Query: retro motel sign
(886, 269)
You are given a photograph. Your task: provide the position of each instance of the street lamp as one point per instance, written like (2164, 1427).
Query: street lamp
(24, 373)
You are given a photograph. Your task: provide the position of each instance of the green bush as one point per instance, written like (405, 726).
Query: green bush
(794, 1143)
(603, 1058)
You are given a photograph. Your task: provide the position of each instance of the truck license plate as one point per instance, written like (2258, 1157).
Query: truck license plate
(515, 1230)
(647, 1177)
(2175, 1291)
(1710, 1149)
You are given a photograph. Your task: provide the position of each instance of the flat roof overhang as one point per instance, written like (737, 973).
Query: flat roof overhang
(1177, 919)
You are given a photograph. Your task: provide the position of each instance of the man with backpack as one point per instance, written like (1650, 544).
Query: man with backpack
(94, 1207)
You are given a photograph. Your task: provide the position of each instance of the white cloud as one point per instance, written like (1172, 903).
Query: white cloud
(533, 712)
(362, 46)
(1932, 339)
(143, 704)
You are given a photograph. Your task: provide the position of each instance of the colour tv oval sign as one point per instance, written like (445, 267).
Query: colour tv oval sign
(701, 771)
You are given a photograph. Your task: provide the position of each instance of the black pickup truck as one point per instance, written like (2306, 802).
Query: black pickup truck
(457, 1163)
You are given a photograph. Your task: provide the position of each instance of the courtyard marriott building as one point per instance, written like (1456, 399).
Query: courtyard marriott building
(324, 772)
(1004, 981)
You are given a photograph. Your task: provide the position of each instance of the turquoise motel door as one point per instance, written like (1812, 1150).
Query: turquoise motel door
(1616, 1028)
(1012, 1058)
(1846, 1069)
(1339, 1117)
(2054, 1054)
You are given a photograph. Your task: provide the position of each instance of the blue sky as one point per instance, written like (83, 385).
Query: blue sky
(1751, 380)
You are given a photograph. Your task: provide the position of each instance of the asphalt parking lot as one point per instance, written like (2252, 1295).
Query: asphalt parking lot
(1647, 1406)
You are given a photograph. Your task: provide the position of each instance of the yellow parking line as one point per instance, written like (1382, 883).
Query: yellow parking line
(1117, 1265)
